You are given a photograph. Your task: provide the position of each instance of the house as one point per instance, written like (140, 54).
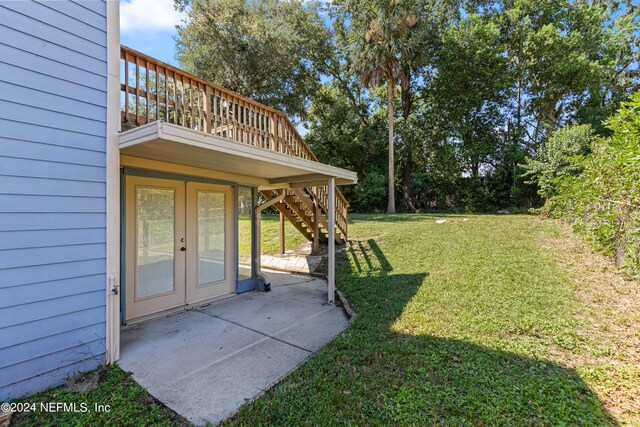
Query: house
(127, 189)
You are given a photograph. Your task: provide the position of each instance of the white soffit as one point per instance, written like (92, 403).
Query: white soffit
(176, 144)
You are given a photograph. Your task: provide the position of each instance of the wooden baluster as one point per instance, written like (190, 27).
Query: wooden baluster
(274, 134)
(207, 108)
(216, 114)
(165, 94)
(157, 114)
(186, 121)
(225, 104)
(241, 121)
(193, 107)
(253, 126)
(199, 105)
(183, 119)
(175, 98)
(256, 129)
(159, 92)
(220, 112)
(137, 92)
(241, 125)
(263, 139)
(232, 117)
(146, 88)
(247, 123)
(126, 87)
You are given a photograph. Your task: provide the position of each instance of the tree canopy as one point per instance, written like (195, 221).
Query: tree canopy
(480, 85)
(269, 50)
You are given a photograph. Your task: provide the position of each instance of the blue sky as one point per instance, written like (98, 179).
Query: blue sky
(148, 26)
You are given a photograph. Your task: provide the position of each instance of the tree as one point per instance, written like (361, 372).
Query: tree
(381, 40)
(269, 50)
(574, 62)
(470, 88)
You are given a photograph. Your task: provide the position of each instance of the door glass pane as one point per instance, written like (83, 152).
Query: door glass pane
(211, 237)
(245, 207)
(155, 221)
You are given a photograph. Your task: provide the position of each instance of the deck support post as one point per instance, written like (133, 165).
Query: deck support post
(331, 222)
(257, 267)
(315, 245)
(281, 233)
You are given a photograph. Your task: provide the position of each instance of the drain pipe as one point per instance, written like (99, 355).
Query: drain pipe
(258, 254)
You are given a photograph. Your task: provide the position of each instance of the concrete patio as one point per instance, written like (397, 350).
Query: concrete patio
(205, 362)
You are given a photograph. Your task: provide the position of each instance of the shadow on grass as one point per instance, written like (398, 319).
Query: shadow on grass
(385, 377)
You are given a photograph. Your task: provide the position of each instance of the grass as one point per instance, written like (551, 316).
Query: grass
(270, 235)
(497, 320)
(129, 405)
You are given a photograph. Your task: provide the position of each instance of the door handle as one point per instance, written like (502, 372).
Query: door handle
(183, 249)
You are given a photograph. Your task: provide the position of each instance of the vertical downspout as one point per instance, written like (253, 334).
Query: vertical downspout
(112, 178)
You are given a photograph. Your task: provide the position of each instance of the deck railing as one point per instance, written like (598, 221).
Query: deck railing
(152, 90)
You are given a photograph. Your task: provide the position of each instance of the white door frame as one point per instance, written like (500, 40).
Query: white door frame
(208, 291)
(147, 306)
(186, 236)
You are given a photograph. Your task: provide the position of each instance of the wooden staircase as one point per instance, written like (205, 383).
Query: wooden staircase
(307, 211)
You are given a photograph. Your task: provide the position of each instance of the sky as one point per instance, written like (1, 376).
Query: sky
(148, 26)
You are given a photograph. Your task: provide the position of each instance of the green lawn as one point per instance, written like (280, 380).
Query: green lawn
(497, 320)
(270, 235)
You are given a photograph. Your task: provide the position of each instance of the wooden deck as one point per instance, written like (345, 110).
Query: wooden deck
(152, 90)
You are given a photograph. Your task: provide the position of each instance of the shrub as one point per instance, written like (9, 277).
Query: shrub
(598, 189)
(371, 193)
(560, 157)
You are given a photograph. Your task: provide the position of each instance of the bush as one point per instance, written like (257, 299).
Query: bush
(371, 193)
(560, 157)
(598, 189)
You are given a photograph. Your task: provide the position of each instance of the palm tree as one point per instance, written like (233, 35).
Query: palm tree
(378, 55)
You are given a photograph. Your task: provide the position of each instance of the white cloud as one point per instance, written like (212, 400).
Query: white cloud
(146, 16)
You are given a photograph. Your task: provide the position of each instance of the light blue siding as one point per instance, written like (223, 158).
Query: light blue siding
(49, 31)
(55, 187)
(24, 131)
(52, 153)
(13, 166)
(44, 84)
(23, 352)
(56, 18)
(50, 118)
(49, 221)
(52, 52)
(25, 294)
(94, 6)
(64, 358)
(53, 80)
(45, 273)
(44, 238)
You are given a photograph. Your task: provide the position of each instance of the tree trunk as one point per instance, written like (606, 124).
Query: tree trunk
(391, 208)
(407, 169)
(519, 111)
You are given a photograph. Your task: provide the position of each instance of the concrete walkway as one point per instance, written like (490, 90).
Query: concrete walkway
(204, 363)
(304, 264)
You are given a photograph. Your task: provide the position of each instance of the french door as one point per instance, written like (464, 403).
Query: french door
(179, 244)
